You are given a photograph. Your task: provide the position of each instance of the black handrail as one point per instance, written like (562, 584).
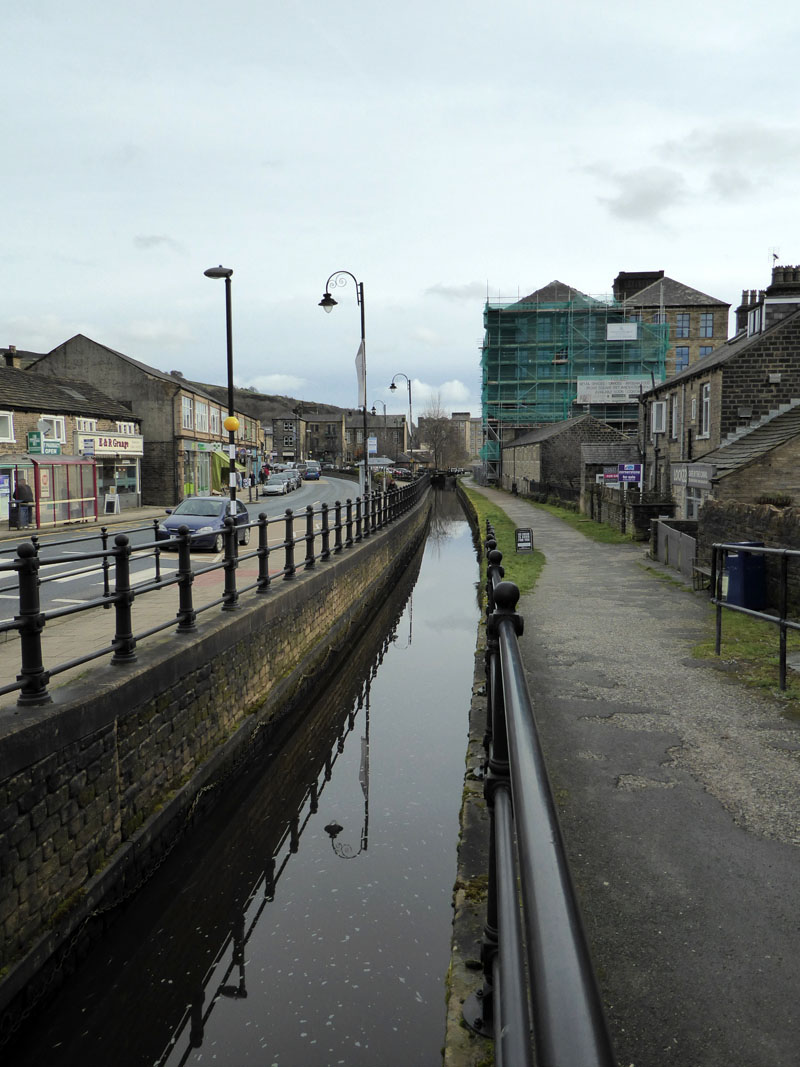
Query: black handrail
(719, 554)
(30, 621)
(529, 888)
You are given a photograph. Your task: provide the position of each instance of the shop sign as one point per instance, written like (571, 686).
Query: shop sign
(40, 446)
(98, 444)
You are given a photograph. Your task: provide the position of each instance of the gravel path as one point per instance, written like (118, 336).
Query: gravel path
(679, 794)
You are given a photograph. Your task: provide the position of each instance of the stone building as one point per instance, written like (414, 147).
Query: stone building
(548, 459)
(75, 446)
(185, 443)
(746, 384)
(697, 323)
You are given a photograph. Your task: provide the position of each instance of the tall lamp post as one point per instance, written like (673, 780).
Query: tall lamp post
(338, 278)
(231, 423)
(393, 388)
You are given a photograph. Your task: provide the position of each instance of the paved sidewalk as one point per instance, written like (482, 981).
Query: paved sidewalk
(679, 797)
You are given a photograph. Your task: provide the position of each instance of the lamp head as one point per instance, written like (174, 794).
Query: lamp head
(218, 272)
(327, 302)
(393, 387)
(374, 412)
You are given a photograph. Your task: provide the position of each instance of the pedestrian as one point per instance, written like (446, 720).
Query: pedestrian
(23, 494)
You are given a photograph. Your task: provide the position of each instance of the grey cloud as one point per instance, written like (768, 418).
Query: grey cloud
(643, 195)
(467, 291)
(155, 240)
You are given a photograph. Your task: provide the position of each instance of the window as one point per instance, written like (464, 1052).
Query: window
(706, 350)
(201, 415)
(288, 427)
(288, 441)
(635, 316)
(658, 417)
(705, 410)
(674, 428)
(6, 426)
(54, 428)
(682, 324)
(707, 324)
(186, 417)
(659, 317)
(215, 423)
(126, 427)
(681, 357)
(89, 426)
(694, 498)
(694, 409)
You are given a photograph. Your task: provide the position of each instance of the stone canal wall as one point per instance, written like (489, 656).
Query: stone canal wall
(95, 786)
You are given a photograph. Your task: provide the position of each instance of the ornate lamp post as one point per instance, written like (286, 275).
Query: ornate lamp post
(393, 388)
(231, 423)
(336, 279)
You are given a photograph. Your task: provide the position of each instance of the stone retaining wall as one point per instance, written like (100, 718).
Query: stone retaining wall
(93, 786)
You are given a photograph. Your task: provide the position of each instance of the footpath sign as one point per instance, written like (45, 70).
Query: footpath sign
(524, 540)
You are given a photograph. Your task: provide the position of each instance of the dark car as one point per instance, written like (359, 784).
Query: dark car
(312, 472)
(205, 517)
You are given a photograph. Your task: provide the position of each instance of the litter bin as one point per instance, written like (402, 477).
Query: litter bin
(13, 516)
(747, 586)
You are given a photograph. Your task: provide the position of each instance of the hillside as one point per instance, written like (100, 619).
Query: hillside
(264, 406)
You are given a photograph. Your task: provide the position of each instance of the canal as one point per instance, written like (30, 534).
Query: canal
(304, 917)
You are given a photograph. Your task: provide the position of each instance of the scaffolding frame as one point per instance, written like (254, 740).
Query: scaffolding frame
(534, 352)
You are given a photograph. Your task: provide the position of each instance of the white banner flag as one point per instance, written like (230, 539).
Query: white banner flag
(361, 372)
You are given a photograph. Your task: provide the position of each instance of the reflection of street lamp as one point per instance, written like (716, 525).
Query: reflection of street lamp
(393, 387)
(231, 423)
(333, 829)
(339, 277)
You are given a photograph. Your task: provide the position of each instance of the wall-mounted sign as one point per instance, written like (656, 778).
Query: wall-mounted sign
(622, 331)
(610, 390)
(40, 446)
(629, 472)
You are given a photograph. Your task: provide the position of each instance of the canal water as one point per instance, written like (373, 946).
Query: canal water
(305, 919)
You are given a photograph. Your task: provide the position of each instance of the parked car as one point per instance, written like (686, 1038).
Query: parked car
(312, 472)
(294, 476)
(276, 484)
(289, 479)
(205, 517)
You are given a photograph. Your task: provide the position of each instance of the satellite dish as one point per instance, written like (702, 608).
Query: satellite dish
(44, 427)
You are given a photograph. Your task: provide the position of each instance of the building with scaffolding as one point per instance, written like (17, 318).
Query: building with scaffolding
(559, 353)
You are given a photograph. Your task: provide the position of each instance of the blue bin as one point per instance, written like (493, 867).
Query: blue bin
(747, 584)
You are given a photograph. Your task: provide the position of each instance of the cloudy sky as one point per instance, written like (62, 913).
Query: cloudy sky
(438, 150)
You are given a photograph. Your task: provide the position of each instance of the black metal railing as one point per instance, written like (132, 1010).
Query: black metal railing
(539, 1000)
(751, 590)
(311, 530)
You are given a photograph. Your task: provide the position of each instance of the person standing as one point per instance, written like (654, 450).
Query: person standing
(23, 494)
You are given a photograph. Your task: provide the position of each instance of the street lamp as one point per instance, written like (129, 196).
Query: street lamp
(393, 388)
(231, 423)
(338, 278)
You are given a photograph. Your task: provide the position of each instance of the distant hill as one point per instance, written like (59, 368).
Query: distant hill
(265, 406)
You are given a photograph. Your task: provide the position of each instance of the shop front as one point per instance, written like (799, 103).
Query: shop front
(691, 487)
(118, 459)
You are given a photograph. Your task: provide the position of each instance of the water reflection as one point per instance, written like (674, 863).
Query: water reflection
(245, 947)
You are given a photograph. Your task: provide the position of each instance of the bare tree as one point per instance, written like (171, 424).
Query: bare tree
(439, 435)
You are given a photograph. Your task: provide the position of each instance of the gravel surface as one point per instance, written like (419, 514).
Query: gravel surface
(679, 796)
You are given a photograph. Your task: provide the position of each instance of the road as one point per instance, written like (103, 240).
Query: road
(65, 582)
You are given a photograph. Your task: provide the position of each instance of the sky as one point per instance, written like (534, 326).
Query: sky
(438, 151)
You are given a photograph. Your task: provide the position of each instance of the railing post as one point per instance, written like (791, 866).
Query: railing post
(349, 531)
(262, 552)
(367, 500)
(187, 616)
(326, 534)
(230, 593)
(309, 537)
(124, 641)
(288, 545)
(32, 675)
(358, 518)
(105, 565)
(337, 525)
(783, 607)
(156, 550)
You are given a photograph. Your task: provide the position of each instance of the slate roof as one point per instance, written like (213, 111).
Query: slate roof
(671, 293)
(755, 443)
(554, 292)
(21, 390)
(553, 429)
(610, 451)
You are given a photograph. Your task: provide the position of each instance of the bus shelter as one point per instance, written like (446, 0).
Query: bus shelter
(64, 487)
